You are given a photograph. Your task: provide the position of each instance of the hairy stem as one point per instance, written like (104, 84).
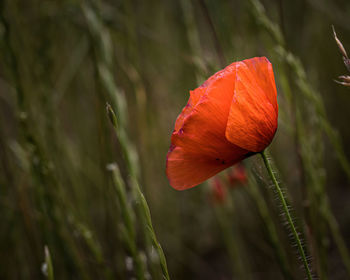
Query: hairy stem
(288, 215)
(270, 227)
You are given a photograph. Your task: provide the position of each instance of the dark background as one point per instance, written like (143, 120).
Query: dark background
(56, 140)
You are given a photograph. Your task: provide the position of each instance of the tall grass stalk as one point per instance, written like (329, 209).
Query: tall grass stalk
(145, 212)
(103, 58)
(43, 178)
(151, 232)
(48, 264)
(94, 247)
(128, 218)
(101, 41)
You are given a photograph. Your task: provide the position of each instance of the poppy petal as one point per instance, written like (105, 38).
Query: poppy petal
(263, 72)
(203, 128)
(252, 120)
(195, 95)
(199, 147)
(186, 170)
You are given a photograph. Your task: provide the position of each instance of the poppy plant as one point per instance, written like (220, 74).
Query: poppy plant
(230, 117)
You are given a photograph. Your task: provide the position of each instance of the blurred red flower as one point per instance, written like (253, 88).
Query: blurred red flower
(230, 117)
(218, 192)
(237, 175)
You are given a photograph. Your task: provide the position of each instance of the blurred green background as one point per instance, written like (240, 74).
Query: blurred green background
(61, 61)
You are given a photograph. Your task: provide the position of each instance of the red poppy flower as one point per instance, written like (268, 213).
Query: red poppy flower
(230, 117)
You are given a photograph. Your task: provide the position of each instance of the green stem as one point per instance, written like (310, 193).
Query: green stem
(143, 206)
(48, 262)
(270, 227)
(147, 215)
(288, 215)
(127, 214)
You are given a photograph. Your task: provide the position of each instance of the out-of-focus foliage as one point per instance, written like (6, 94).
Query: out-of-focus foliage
(62, 60)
